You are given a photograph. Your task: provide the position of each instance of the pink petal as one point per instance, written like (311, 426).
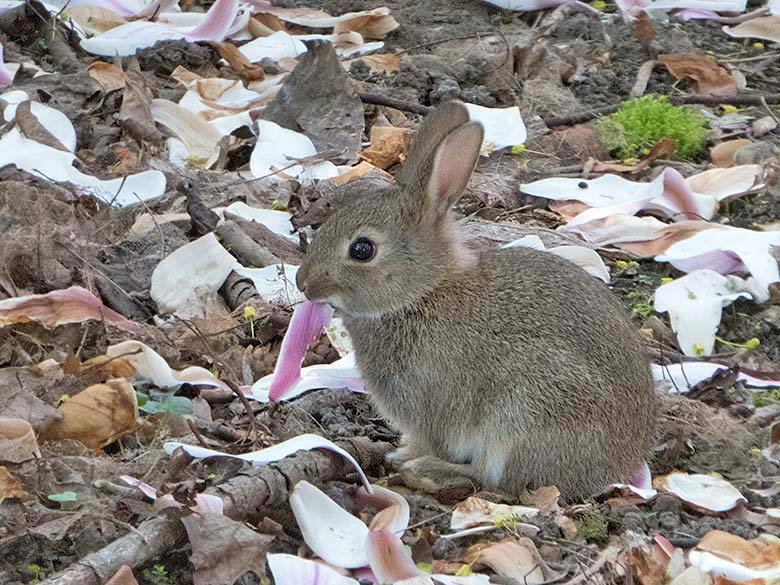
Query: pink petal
(307, 322)
(721, 261)
(217, 22)
(149, 491)
(388, 558)
(393, 508)
(292, 570)
(697, 13)
(680, 200)
(6, 78)
(642, 478)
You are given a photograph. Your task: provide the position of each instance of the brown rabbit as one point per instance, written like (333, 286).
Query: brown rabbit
(514, 368)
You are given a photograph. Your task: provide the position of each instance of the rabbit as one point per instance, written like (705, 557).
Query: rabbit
(512, 368)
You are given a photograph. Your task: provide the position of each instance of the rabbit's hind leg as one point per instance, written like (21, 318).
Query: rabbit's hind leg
(431, 474)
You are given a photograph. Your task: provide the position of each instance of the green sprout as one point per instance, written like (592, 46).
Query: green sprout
(751, 343)
(642, 123)
(249, 315)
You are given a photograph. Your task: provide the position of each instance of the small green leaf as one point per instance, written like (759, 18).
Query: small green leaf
(141, 398)
(178, 405)
(464, 571)
(63, 497)
(698, 349)
(425, 567)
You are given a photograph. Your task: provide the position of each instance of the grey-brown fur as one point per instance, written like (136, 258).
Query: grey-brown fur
(514, 368)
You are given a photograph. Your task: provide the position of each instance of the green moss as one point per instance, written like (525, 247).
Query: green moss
(592, 526)
(641, 123)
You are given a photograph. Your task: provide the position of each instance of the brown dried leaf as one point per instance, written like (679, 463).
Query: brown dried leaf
(765, 27)
(10, 487)
(97, 416)
(124, 576)
(544, 498)
(135, 115)
(723, 155)
(514, 558)
(711, 78)
(663, 149)
(644, 30)
(17, 441)
(359, 170)
(30, 126)
(111, 77)
(244, 68)
(264, 24)
(748, 553)
(389, 146)
(224, 549)
(645, 569)
(385, 63)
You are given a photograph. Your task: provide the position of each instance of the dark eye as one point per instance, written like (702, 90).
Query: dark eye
(362, 250)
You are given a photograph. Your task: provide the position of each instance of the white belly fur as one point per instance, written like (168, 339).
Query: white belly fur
(489, 458)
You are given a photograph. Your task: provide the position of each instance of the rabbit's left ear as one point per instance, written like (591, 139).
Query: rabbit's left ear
(453, 163)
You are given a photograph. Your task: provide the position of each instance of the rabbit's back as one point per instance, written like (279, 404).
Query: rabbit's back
(523, 364)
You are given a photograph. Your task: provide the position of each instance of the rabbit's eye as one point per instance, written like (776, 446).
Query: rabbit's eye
(362, 249)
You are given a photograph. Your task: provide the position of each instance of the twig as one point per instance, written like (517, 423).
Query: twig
(597, 565)
(383, 100)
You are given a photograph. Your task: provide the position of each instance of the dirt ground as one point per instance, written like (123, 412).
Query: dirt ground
(450, 49)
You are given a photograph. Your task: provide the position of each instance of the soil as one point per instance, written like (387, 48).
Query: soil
(450, 49)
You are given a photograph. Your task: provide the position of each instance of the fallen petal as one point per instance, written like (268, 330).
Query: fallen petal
(200, 138)
(389, 559)
(278, 148)
(292, 570)
(276, 221)
(6, 77)
(765, 27)
(60, 307)
(703, 491)
(393, 514)
(730, 556)
(727, 183)
(331, 532)
(306, 325)
(686, 375)
(476, 511)
(279, 45)
(694, 303)
(503, 126)
(275, 283)
(342, 373)
(274, 453)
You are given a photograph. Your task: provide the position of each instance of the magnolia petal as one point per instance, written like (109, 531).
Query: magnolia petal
(726, 250)
(616, 229)
(274, 453)
(603, 191)
(685, 376)
(393, 514)
(275, 283)
(331, 532)
(698, 13)
(714, 5)
(525, 5)
(694, 303)
(60, 307)
(476, 511)
(587, 259)
(679, 201)
(217, 23)
(279, 45)
(276, 221)
(764, 27)
(306, 325)
(278, 148)
(703, 491)
(151, 366)
(503, 126)
(389, 559)
(148, 490)
(292, 570)
(725, 183)
(6, 77)
(534, 242)
(195, 270)
(56, 165)
(200, 138)
(342, 373)
(730, 556)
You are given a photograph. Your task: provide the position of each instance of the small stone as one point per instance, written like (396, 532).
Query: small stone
(755, 153)
(669, 520)
(633, 522)
(667, 503)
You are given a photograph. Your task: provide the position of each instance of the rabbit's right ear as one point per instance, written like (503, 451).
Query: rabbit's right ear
(441, 160)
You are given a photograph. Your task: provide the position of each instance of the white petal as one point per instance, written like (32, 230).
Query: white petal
(275, 283)
(704, 491)
(714, 5)
(587, 259)
(600, 192)
(152, 366)
(686, 375)
(200, 138)
(503, 126)
(475, 511)
(331, 532)
(274, 453)
(194, 270)
(342, 373)
(279, 45)
(525, 5)
(276, 221)
(533, 242)
(277, 148)
(694, 303)
(292, 570)
(393, 514)
(710, 563)
(53, 120)
(728, 182)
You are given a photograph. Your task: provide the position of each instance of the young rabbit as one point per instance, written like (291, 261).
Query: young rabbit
(513, 368)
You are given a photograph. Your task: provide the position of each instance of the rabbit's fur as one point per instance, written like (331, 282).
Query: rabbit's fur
(514, 367)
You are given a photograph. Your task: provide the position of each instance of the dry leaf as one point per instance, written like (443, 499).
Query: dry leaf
(244, 68)
(359, 170)
(135, 115)
(124, 576)
(712, 79)
(31, 127)
(104, 367)
(645, 31)
(108, 75)
(476, 511)
(723, 155)
(97, 416)
(515, 558)
(389, 146)
(10, 487)
(17, 441)
(369, 26)
(264, 24)
(765, 27)
(663, 149)
(646, 569)
(224, 549)
(544, 498)
(385, 63)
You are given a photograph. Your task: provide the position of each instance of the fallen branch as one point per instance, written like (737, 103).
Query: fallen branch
(581, 117)
(245, 496)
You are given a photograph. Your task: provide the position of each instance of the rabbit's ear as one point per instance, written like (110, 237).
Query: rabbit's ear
(441, 160)
(451, 167)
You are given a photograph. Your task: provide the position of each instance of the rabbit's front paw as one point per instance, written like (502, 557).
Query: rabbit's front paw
(431, 474)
